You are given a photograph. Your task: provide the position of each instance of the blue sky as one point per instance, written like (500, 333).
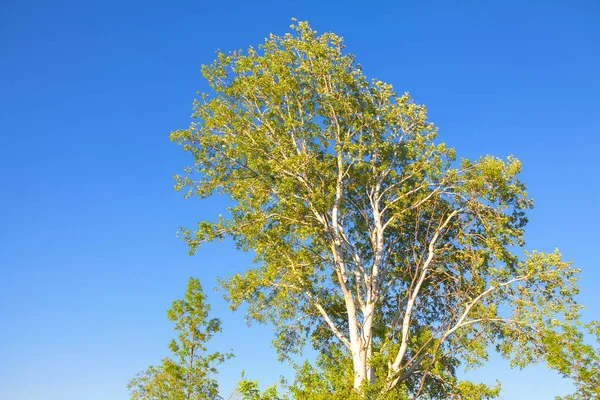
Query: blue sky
(89, 92)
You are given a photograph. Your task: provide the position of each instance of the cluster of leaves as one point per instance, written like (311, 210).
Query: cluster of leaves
(249, 390)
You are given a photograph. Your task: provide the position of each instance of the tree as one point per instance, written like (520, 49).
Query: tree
(190, 374)
(371, 240)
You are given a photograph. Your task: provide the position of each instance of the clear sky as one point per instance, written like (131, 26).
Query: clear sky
(89, 92)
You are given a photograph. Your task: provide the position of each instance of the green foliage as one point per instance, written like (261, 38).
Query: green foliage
(394, 260)
(573, 358)
(249, 390)
(190, 373)
(332, 376)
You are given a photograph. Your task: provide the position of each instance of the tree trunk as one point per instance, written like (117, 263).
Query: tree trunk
(361, 351)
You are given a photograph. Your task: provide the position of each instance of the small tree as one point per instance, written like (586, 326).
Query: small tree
(189, 375)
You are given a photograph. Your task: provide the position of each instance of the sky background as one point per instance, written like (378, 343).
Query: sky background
(89, 92)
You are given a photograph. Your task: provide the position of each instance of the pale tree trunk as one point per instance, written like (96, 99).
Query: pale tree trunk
(362, 349)
(362, 369)
(364, 296)
(360, 373)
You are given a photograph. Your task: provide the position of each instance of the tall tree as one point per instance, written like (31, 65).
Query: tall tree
(189, 375)
(372, 241)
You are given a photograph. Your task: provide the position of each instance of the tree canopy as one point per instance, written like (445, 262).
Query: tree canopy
(373, 243)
